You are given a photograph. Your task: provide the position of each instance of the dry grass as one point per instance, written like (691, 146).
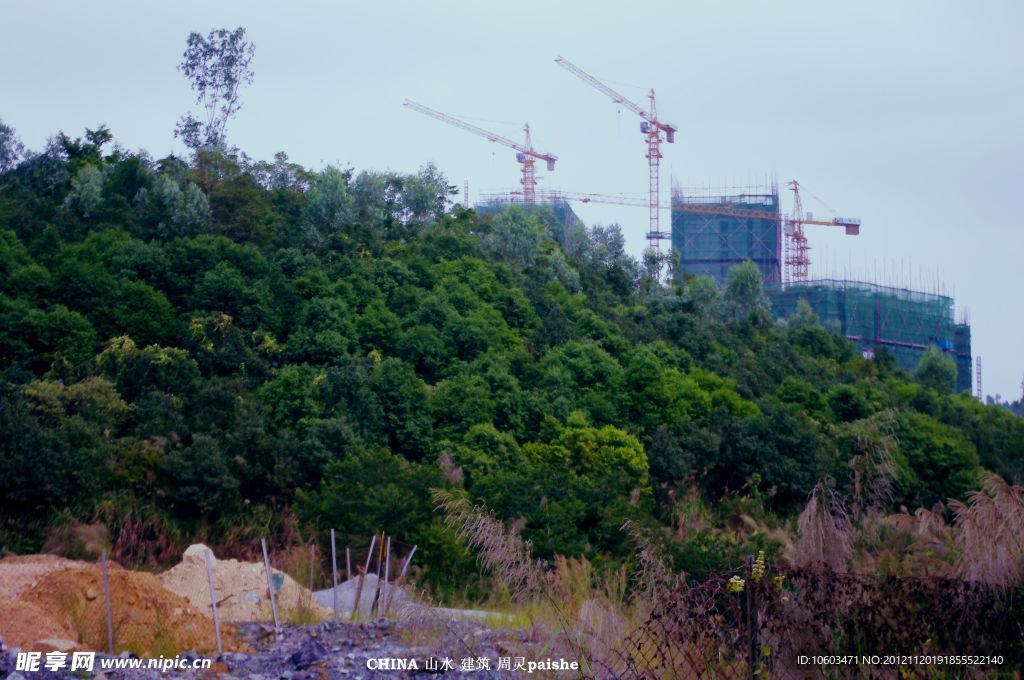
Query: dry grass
(569, 608)
(501, 551)
(874, 473)
(826, 533)
(990, 533)
(78, 541)
(302, 565)
(985, 543)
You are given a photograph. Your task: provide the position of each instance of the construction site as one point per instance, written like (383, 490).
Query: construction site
(903, 322)
(712, 230)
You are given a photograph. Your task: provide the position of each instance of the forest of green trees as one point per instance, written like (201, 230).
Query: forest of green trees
(212, 347)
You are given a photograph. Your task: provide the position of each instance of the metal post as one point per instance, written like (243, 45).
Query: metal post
(362, 578)
(213, 599)
(387, 574)
(106, 602)
(270, 586)
(401, 576)
(753, 654)
(380, 564)
(334, 574)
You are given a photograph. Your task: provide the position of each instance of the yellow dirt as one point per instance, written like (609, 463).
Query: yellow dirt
(18, 573)
(241, 589)
(23, 624)
(149, 620)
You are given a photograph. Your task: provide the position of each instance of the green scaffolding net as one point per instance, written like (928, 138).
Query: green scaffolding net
(904, 322)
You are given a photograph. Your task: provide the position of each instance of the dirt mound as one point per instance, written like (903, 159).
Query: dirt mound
(241, 589)
(149, 620)
(23, 624)
(18, 573)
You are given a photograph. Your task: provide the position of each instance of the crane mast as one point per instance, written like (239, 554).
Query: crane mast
(526, 156)
(652, 129)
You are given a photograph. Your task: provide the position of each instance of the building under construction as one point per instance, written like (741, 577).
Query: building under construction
(711, 233)
(561, 209)
(903, 322)
(708, 242)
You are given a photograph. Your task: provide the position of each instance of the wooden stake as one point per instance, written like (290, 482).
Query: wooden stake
(270, 585)
(334, 575)
(348, 564)
(106, 601)
(213, 599)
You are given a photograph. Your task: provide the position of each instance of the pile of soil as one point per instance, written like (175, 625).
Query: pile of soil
(149, 620)
(241, 589)
(27, 625)
(18, 573)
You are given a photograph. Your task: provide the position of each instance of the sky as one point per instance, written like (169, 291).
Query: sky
(905, 114)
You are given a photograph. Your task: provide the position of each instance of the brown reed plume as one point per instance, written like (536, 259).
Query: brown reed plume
(825, 530)
(874, 473)
(501, 550)
(990, 534)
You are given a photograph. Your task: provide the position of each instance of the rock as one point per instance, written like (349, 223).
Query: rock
(91, 594)
(310, 651)
(393, 597)
(57, 645)
(15, 676)
(197, 553)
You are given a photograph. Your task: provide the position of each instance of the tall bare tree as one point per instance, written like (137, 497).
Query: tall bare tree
(217, 66)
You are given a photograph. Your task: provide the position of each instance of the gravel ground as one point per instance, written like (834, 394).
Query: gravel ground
(342, 651)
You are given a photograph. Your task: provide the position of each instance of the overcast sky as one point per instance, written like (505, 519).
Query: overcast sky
(906, 114)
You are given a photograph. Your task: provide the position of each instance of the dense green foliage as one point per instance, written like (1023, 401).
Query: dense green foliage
(214, 340)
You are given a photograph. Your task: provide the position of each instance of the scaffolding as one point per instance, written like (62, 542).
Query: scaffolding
(904, 322)
(711, 244)
(561, 209)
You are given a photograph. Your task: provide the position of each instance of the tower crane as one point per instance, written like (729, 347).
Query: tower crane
(652, 129)
(525, 155)
(796, 256)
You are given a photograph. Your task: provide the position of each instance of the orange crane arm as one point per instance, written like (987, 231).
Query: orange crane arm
(486, 134)
(617, 98)
(601, 87)
(555, 195)
(851, 225)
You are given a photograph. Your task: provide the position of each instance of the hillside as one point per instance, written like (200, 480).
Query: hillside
(220, 349)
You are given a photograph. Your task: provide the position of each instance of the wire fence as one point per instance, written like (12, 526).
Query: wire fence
(806, 623)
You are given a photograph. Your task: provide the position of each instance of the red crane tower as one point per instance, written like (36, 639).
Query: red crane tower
(796, 259)
(652, 129)
(525, 155)
(796, 256)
